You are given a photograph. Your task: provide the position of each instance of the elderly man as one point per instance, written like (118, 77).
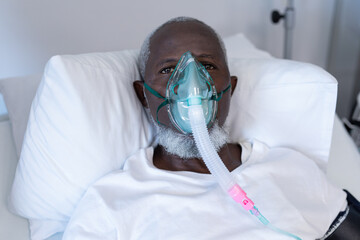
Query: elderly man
(166, 192)
(159, 56)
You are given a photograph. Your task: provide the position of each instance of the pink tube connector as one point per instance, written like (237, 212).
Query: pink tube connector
(240, 196)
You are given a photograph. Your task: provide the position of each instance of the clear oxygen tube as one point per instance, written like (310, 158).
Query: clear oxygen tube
(217, 167)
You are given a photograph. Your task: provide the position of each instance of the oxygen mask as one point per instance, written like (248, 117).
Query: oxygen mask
(189, 84)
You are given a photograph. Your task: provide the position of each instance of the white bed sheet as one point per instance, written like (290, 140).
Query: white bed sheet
(343, 170)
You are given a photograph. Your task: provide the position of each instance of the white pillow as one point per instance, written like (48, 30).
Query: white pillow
(238, 46)
(86, 120)
(284, 104)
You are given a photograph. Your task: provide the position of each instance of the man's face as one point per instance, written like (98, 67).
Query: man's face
(167, 46)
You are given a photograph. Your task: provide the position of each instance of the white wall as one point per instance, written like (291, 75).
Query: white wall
(32, 31)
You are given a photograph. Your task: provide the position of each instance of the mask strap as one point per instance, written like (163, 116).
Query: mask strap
(221, 93)
(156, 94)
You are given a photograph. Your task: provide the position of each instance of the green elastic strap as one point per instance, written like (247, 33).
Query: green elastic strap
(221, 94)
(155, 93)
(164, 103)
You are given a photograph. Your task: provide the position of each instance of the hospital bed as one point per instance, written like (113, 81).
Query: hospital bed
(343, 167)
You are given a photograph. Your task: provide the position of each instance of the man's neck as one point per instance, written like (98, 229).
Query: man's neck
(230, 154)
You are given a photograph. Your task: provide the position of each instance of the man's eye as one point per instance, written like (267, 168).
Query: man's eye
(167, 70)
(209, 66)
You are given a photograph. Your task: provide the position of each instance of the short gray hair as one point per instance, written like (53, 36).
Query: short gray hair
(145, 48)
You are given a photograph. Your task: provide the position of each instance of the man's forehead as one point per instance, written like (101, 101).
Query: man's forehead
(187, 26)
(178, 37)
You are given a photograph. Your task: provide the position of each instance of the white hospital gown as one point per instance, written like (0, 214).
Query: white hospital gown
(143, 202)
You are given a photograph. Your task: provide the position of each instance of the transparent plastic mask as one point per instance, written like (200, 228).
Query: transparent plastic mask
(190, 84)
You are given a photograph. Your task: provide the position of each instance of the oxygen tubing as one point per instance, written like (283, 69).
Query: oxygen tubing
(207, 150)
(217, 168)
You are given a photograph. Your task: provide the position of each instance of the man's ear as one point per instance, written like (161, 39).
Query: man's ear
(233, 80)
(139, 90)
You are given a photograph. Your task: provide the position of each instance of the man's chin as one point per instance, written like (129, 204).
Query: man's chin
(184, 146)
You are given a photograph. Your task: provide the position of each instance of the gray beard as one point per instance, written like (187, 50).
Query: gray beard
(184, 145)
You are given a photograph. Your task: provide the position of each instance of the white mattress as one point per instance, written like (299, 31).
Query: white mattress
(344, 163)
(11, 227)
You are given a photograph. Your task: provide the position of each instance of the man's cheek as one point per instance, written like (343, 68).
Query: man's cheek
(222, 112)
